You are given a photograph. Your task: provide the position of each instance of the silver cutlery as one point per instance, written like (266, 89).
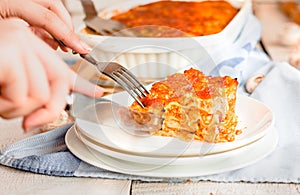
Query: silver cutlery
(102, 26)
(122, 76)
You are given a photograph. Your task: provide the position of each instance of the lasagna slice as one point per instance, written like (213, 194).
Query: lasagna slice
(193, 106)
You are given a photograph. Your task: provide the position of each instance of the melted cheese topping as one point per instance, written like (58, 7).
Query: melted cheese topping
(178, 18)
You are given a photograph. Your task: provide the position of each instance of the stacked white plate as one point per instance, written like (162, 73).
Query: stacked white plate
(110, 147)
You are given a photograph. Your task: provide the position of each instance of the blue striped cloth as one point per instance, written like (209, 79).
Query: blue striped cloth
(44, 153)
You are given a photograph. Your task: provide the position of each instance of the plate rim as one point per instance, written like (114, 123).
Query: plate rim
(179, 173)
(172, 160)
(94, 142)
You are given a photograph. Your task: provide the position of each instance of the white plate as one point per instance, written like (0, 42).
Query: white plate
(247, 156)
(95, 148)
(255, 119)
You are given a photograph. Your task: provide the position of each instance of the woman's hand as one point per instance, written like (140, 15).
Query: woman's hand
(34, 81)
(48, 19)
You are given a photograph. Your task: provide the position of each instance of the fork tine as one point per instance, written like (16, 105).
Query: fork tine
(124, 75)
(128, 88)
(134, 81)
(124, 82)
(130, 85)
(120, 75)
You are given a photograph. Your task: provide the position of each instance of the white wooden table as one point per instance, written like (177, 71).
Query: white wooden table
(19, 182)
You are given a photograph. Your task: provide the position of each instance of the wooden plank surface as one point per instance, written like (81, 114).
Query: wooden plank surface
(215, 188)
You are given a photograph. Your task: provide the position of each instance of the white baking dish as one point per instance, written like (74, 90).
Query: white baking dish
(158, 57)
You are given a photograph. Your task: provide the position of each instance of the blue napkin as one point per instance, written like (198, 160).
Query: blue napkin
(44, 153)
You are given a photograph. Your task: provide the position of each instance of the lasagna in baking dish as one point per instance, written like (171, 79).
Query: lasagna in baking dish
(178, 18)
(193, 106)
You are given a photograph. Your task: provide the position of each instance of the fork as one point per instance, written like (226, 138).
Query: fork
(120, 75)
(100, 25)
